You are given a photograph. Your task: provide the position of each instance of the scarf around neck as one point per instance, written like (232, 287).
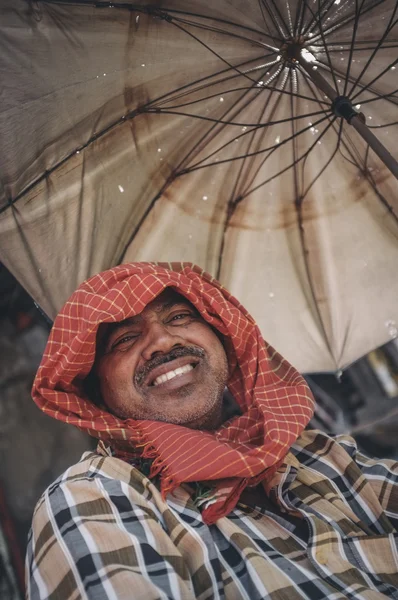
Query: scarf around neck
(275, 401)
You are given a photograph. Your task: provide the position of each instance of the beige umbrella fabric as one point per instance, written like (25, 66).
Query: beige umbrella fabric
(189, 132)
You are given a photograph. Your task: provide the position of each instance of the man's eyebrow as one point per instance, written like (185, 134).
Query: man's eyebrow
(115, 327)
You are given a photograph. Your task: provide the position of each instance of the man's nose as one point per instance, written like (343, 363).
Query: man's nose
(158, 339)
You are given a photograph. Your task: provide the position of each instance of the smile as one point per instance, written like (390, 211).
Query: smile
(173, 373)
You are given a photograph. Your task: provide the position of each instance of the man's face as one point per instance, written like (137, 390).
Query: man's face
(165, 364)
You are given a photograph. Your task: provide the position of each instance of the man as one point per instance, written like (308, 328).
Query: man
(204, 484)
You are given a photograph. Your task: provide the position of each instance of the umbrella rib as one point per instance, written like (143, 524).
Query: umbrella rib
(276, 39)
(233, 202)
(235, 69)
(354, 34)
(190, 89)
(367, 86)
(259, 88)
(152, 10)
(273, 19)
(345, 20)
(198, 165)
(376, 49)
(154, 200)
(262, 162)
(326, 49)
(299, 17)
(313, 22)
(271, 150)
(223, 32)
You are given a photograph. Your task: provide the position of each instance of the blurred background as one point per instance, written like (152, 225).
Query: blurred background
(35, 449)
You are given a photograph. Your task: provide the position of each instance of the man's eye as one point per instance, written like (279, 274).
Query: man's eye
(180, 316)
(128, 338)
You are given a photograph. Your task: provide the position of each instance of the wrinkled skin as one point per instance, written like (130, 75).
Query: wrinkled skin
(135, 356)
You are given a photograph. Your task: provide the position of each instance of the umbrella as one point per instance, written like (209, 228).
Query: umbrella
(217, 133)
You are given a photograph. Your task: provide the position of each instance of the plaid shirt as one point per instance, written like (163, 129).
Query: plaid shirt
(328, 530)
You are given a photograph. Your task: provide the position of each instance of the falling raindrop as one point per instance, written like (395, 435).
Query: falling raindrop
(77, 151)
(277, 139)
(314, 67)
(159, 149)
(137, 19)
(271, 294)
(204, 198)
(392, 68)
(121, 188)
(104, 74)
(143, 65)
(221, 99)
(190, 236)
(244, 128)
(357, 106)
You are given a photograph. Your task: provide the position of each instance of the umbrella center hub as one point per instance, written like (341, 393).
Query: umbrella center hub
(291, 50)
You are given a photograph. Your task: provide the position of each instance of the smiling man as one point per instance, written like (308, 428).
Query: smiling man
(164, 364)
(205, 483)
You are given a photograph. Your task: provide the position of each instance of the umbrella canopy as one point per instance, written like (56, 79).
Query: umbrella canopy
(194, 131)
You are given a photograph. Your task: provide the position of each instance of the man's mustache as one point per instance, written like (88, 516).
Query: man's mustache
(162, 359)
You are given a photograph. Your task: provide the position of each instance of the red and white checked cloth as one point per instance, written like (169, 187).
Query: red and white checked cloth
(275, 401)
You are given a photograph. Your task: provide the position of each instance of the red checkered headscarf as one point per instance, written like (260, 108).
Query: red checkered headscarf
(275, 402)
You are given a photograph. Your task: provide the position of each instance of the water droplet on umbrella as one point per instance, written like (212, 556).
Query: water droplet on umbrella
(121, 188)
(392, 328)
(143, 65)
(204, 197)
(271, 294)
(104, 74)
(159, 149)
(190, 236)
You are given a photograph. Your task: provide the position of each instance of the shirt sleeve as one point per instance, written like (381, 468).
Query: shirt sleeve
(90, 539)
(382, 474)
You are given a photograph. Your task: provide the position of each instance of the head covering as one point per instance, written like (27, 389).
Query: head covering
(274, 399)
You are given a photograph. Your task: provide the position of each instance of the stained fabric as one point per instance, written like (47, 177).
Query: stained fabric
(275, 401)
(327, 531)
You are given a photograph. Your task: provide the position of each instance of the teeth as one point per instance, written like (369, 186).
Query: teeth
(171, 374)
